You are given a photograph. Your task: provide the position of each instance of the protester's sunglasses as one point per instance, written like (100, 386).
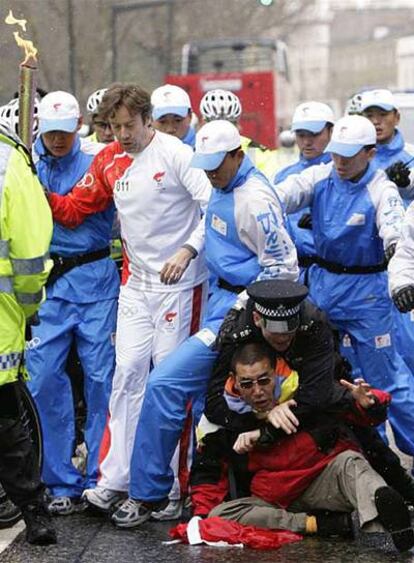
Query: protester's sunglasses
(261, 381)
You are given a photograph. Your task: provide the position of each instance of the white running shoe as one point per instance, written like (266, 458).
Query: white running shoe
(104, 499)
(172, 511)
(61, 506)
(135, 512)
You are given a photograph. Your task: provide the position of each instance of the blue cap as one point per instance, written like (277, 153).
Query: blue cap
(209, 161)
(312, 126)
(351, 134)
(68, 125)
(343, 149)
(174, 110)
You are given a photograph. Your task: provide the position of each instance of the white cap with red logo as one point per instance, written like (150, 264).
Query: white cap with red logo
(213, 141)
(312, 116)
(170, 99)
(58, 111)
(351, 134)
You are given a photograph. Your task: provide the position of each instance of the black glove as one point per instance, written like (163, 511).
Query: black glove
(389, 251)
(399, 173)
(230, 332)
(305, 222)
(404, 299)
(31, 321)
(227, 327)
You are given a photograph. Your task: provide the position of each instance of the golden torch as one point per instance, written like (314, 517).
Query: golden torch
(27, 82)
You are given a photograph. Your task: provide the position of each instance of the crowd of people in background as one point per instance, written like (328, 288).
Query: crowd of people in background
(264, 297)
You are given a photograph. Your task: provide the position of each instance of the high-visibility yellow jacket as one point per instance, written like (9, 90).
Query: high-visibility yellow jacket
(25, 233)
(262, 157)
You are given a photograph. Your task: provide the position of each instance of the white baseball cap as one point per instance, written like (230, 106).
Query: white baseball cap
(383, 99)
(58, 111)
(351, 134)
(213, 141)
(312, 116)
(170, 99)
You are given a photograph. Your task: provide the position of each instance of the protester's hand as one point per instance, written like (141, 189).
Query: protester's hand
(175, 266)
(389, 251)
(360, 391)
(246, 441)
(282, 417)
(305, 222)
(399, 173)
(404, 299)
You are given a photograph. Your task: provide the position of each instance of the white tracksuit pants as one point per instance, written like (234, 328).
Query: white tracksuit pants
(150, 326)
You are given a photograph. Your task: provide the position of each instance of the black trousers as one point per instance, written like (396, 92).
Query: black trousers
(19, 473)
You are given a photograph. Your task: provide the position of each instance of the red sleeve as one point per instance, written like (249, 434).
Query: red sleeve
(375, 414)
(205, 496)
(90, 195)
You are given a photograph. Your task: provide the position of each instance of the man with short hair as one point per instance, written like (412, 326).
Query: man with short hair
(81, 307)
(102, 132)
(357, 215)
(171, 113)
(245, 239)
(294, 477)
(160, 201)
(380, 107)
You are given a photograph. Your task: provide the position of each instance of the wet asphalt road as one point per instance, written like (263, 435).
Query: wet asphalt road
(85, 538)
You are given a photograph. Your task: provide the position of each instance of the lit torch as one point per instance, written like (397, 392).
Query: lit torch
(27, 82)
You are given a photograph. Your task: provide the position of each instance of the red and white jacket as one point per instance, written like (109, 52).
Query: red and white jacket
(160, 202)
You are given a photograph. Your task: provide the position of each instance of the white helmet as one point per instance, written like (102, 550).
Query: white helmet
(95, 99)
(220, 104)
(9, 116)
(287, 138)
(354, 105)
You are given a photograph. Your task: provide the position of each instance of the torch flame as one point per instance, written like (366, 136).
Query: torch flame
(11, 20)
(30, 50)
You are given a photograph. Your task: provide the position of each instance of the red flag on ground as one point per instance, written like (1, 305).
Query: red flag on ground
(215, 529)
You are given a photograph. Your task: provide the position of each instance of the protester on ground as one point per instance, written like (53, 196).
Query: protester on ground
(80, 307)
(312, 476)
(25, 233)
(307, 365)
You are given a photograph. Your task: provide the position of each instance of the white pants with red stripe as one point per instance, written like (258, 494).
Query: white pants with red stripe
(150, 326)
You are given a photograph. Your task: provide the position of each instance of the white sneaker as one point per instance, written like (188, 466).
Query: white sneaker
(104, 499)
(172, 511)
(135, 512)
(61, 506)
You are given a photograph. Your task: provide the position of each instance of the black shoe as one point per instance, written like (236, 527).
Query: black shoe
(395, 517)
(334, 524)
(9, 513)
(39, 527)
